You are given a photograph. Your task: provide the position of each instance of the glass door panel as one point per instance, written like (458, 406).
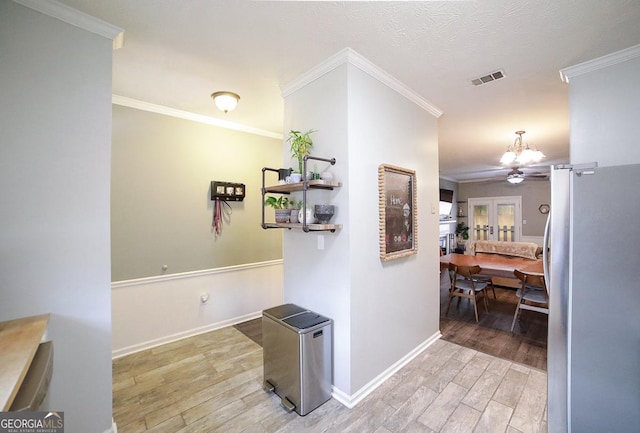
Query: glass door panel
(480, 221)
(506, 221)
(495, 218)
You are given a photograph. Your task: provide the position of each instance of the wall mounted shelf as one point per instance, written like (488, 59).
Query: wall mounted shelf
(293, 187)
(304, 186)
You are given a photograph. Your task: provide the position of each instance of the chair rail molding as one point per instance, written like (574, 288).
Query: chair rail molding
(192, 274)
(196, 302)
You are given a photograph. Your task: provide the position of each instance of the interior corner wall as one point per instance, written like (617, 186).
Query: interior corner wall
(55, 119)
(382, 311)
(162, 212)
(319, 279)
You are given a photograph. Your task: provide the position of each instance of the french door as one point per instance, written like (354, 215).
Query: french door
(495, 218)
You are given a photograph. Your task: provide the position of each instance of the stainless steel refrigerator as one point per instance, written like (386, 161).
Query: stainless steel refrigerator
(594, 315)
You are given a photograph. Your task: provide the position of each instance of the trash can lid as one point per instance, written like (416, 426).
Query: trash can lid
(284, 311)
(305, 320)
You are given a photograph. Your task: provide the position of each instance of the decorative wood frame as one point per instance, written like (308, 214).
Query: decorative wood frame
(398, 210)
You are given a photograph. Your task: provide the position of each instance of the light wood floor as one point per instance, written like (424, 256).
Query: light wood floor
(212, 383)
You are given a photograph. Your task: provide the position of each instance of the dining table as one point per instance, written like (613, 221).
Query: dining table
(495, 265)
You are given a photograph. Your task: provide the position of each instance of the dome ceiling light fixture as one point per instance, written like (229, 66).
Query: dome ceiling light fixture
(521, 154)
(225, 101)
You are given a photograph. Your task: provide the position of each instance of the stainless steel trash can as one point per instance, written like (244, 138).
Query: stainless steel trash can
(297, 348)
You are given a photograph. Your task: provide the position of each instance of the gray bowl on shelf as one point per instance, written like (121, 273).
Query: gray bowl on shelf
(324, 213)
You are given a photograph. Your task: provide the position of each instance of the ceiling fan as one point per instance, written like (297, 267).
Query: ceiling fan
(516, 176)
(500, 174)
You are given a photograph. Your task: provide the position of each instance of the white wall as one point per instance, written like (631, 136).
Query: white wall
(151, 311)
(315, 279)
(382, 312)
(394, 305)
(604, 115)
(55, 119)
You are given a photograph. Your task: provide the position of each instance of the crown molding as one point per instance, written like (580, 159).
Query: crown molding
(599, 63)
(350, 56)
(160, 109)
(76, 18)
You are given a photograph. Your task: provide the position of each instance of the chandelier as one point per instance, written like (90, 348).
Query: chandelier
(520, 154)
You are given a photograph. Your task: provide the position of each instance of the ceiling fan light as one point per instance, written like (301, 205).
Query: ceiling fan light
(515, 178)
(225, 101)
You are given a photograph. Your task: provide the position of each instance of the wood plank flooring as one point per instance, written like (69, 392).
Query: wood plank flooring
(212, 383)
(527, 345)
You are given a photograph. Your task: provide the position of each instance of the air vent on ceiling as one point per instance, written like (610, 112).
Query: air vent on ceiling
(497, 75)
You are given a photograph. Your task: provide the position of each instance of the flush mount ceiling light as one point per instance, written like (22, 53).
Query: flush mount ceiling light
(520, 153)
(225, 101)
(515, 176)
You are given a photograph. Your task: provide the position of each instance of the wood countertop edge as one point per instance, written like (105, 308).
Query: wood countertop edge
(19, 340)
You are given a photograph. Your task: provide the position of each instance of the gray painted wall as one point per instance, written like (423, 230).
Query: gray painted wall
(533, 193)
(161, 208)
(55, 119)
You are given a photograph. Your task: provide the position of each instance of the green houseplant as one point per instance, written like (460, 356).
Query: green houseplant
(462, 231)
(301, 144)
(281, 207)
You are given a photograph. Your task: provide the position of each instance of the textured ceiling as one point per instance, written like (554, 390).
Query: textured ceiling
(177, 52)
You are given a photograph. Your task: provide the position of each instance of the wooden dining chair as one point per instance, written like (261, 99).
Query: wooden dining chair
(488, 280)
(532, 295)
(463, 285)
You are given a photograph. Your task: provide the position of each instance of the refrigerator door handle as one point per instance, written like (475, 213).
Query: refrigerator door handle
(545, 250)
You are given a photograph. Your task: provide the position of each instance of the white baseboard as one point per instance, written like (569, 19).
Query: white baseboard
(185, 334)
(113, 428)
(352, 400)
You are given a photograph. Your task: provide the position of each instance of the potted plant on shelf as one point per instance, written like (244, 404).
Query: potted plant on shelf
(295, 206)
(281, 207)
(301, 144)
(462, 233)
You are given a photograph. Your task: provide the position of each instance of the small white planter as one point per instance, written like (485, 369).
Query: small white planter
(294, 215)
